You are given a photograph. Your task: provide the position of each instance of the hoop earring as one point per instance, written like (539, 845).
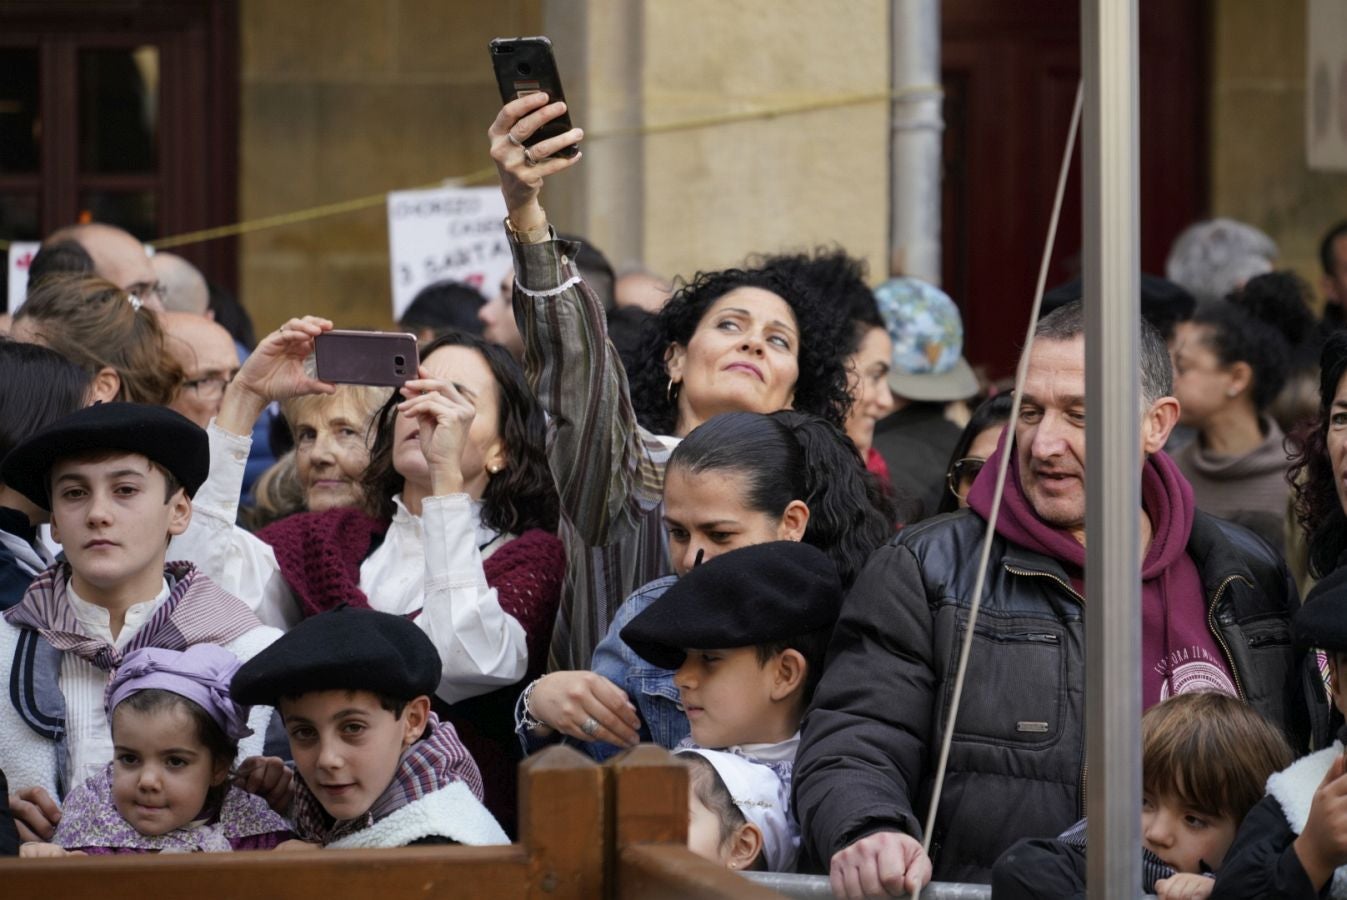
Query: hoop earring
(671, 392)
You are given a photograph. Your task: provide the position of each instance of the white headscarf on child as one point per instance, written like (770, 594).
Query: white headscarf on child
(764, 800)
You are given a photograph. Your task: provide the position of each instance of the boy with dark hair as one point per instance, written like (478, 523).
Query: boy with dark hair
(1204, 759)
(746, 633)
(376, 767)
(118, 480)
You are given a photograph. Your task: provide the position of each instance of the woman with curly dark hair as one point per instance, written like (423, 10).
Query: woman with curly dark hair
(458, 533)
(1319, 465)
(752, 340)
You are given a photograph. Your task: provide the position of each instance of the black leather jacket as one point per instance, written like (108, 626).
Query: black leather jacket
(1017, 765)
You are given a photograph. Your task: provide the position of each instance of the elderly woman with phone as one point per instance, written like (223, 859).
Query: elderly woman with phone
(737, 340)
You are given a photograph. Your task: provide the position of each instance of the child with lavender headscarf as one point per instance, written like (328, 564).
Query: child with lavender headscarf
(175, 731)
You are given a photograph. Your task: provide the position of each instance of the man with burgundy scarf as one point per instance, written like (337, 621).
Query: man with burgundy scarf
(118, 479)
(1216, 606)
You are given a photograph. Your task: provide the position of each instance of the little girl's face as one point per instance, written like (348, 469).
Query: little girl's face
(161, 771)
(704, 831)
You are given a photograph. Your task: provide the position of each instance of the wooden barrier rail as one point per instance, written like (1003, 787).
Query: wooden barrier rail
(586, 832)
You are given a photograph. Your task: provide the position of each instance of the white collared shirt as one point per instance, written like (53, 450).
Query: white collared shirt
(88, 732)
(432, 563)
(781, 751)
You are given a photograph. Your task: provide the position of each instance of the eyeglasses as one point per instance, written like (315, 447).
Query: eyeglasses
(211, 387)
(961, 474)
(143, 289)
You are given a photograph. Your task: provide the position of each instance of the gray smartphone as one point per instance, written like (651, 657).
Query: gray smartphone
(525, 65)
(382, 358)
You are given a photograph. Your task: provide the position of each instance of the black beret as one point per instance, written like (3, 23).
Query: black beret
(166, 437)
(1321, 620)
(345, 649)
(747, 597)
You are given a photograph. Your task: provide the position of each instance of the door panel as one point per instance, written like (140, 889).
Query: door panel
(1010, 74)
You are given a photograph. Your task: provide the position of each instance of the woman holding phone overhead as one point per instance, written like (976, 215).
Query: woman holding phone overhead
(457, 480)
(738, 340)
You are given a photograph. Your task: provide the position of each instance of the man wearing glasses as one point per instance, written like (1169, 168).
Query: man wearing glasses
(207, 355)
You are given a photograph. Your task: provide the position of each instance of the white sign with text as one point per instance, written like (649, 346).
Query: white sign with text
(446, 233)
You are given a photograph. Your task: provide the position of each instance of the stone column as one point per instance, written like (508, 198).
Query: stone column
(680, 199)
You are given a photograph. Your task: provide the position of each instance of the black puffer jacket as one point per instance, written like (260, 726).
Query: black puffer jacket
(1017, 765)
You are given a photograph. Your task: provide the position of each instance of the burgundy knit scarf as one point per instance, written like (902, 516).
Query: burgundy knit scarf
(320, 553)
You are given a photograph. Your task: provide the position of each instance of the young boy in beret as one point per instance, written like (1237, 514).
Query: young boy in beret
(746, 634)
(1293, 844)
(376, 767)
(118, 480)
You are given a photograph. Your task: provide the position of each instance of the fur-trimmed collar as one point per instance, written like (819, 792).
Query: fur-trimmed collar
(451, 812)
(1294, 788)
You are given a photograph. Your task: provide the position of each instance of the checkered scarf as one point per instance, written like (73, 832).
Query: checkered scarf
(435, 761)
(1153, 868)
(197, 611)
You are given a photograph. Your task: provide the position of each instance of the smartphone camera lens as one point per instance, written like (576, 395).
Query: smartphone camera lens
(525, 69)
(400, 362)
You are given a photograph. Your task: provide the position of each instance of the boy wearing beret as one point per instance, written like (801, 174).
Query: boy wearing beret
(1293, 844)
(376, 767)
(118, 480)
(746, 634)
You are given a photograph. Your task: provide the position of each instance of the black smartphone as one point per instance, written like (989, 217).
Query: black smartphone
(382, 358)
(526, 65)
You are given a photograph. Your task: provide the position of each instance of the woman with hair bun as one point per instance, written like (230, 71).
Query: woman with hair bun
(737, 480)
(1230, 363)
(109, 333)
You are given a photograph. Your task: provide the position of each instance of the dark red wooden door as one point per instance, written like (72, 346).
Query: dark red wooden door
(1010, 72)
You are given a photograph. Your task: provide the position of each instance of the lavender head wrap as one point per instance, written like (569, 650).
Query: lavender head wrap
(201, 673)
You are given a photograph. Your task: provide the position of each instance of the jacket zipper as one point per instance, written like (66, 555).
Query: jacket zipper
(1084, 764)
(1211, 626)
(1067, 587)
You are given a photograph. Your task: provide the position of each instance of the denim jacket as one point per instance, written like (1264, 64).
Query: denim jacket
(650, 688)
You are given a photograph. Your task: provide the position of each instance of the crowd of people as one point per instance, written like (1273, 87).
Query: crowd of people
(738, 516)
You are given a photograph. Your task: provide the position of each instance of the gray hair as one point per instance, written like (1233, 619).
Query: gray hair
(1213, 258)
(1066, 323)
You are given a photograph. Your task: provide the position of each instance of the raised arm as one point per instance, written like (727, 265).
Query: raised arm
(606, 467)
(229, 555)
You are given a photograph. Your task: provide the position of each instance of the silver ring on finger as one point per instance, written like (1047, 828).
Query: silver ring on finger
(590, 726)
(514, 140)
(528, 157)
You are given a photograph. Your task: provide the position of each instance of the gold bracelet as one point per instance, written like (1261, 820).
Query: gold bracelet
(535, 235)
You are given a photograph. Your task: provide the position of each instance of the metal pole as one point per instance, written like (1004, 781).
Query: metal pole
(914, 161)
(1113, 444)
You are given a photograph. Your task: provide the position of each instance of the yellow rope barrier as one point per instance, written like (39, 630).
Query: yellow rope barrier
(485, 174)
